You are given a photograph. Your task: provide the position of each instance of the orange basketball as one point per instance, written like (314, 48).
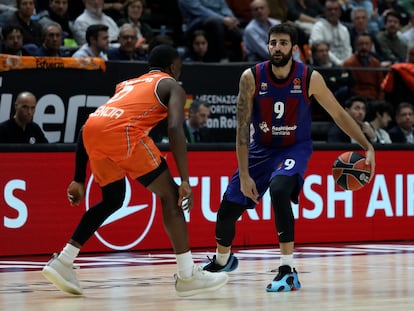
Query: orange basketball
(350, 171)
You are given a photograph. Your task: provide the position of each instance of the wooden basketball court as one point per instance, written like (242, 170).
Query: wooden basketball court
(334, 277)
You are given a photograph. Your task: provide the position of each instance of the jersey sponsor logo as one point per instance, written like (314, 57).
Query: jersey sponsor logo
(109, 112)
(264, 127)
(262, 92)
(120, 231)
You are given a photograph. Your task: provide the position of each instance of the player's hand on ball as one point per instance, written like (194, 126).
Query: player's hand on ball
(76, 192)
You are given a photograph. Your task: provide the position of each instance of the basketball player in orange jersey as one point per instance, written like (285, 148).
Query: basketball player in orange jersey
(115, 139)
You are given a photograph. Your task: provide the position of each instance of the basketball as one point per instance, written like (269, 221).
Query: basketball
(350, 171)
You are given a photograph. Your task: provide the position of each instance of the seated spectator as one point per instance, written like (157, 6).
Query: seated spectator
(331, 30)
(359, 25)
(12, 41)
(408, 34)
(356, 107)
(337, 79)
(114, 9)
(32, 30)
(380, 113)
(97, 39)
(7, 8)
(279, 10)
(58, 12)
(304, 13)
(393, 5)
(133, 13)
(221, 26)
(20, 129)
(52, 41)
(373, 21)
(256, 32)
(403, 131)
(197, 48)
(366, 83)
(194, 126)
(127, 45)
(241, 9)
(93, 15)
(391, 48)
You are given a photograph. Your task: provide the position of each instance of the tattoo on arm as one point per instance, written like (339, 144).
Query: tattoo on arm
(244, 109)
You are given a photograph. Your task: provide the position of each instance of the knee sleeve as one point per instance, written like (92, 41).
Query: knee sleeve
(227, 216)
(112, 199)
(281, 189)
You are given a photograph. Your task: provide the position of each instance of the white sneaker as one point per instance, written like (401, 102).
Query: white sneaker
(201, 282)
(62, 275)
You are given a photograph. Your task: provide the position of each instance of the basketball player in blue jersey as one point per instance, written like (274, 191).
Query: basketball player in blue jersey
(275, 97)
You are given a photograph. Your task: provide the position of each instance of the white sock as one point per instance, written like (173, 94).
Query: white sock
(68, 254)
(222, 258)
(287, 260)
(185, 265)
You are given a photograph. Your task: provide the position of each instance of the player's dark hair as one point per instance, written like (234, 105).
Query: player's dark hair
(162, 56)
(287, 28)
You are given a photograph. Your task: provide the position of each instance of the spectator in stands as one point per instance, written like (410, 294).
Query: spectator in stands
(367, 83)
(349, 6)
(391, 47)
(20, 129)
(337, 79)
(304, 13)
(194, 126)
(356, 107)
(58, 12)
(403, 132)
(380, 113)
(385, 6)
(127, 41)
(218, 21)
(97, 39)
(114, 9)
(12, 41)
(93, 15)
(241, 9)
(256, 32)
(52, 41)
(133, 15)
(331, 30)
(7, 8)
(197, 48)
(408, 35)
(32, 30)
(359, 25)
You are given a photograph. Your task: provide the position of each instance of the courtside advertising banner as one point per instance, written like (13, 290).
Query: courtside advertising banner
(36, 217)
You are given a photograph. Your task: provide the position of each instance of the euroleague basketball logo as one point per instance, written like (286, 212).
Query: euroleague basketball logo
(129, 225)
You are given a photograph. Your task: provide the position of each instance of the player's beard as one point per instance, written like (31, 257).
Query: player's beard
(283, 61)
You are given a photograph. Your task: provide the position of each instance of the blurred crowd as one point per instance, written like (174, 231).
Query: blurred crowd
(363, 48)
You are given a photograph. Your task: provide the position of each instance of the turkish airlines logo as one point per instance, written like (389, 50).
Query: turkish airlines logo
(129, 225)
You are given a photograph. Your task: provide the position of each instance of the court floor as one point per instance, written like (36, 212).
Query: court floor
(365, 276)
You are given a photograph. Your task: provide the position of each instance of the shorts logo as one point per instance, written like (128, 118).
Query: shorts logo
(129, 225)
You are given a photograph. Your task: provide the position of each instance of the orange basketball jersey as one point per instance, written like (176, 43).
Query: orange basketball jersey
(116, 126)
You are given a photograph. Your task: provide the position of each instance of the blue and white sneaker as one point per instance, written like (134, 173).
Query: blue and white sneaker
(231, 265)
(285, 281)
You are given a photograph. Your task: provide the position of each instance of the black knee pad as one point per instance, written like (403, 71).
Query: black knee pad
(227, 216)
